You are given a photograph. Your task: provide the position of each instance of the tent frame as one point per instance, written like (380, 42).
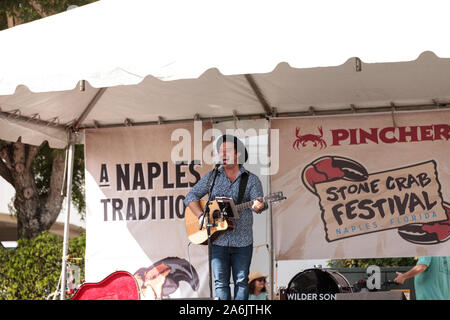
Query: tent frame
(69, 174)
(311, 112)
(269, 112)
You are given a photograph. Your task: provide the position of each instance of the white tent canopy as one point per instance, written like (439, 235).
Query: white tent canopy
(225, 59)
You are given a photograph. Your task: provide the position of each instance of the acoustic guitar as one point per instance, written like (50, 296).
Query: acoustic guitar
(220, 222)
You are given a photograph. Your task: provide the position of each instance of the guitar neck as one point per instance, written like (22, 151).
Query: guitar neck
(245, 205)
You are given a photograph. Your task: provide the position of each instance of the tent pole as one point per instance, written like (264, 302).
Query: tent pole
(270, 220)
(258, 93)
(89, 107)
(70, 157)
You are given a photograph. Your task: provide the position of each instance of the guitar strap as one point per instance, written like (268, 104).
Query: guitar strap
(242, 186)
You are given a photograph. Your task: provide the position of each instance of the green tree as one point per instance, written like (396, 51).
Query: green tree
(15, 12)
(37, 172)
(37, 175)
(32, 270)
(43, 168)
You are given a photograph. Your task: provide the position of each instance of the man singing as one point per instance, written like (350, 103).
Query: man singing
(232, 250)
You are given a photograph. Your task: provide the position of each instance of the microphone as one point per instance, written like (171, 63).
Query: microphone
(216, 167)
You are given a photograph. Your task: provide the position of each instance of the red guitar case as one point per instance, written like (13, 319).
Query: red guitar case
(120, 285)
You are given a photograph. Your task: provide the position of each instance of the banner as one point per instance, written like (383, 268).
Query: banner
(363, 186)
(135, 211)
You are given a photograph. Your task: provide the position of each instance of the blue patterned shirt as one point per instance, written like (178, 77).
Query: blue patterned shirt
(242, 234)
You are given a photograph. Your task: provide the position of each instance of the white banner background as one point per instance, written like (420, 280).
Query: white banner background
(299, 231)
(129, 242)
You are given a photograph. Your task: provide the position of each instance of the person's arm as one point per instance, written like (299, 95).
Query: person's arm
(196, 208)
(257, 194)
(198, 191)
(414, 271)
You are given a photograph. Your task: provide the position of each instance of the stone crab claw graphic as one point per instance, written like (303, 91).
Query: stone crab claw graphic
(331, 168)
(427, 233)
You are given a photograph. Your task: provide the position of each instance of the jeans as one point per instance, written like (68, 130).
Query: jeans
(227, 260)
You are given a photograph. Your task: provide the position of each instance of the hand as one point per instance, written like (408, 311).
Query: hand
(400, 278)
(258, 205)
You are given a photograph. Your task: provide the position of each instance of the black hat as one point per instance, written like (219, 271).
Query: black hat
(238, 146)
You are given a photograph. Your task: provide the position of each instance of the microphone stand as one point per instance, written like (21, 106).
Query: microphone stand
(208, 229)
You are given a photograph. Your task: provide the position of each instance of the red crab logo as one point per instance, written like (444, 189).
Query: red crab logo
(317, 140)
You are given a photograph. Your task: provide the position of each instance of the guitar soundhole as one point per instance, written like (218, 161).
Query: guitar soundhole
(216, 214)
